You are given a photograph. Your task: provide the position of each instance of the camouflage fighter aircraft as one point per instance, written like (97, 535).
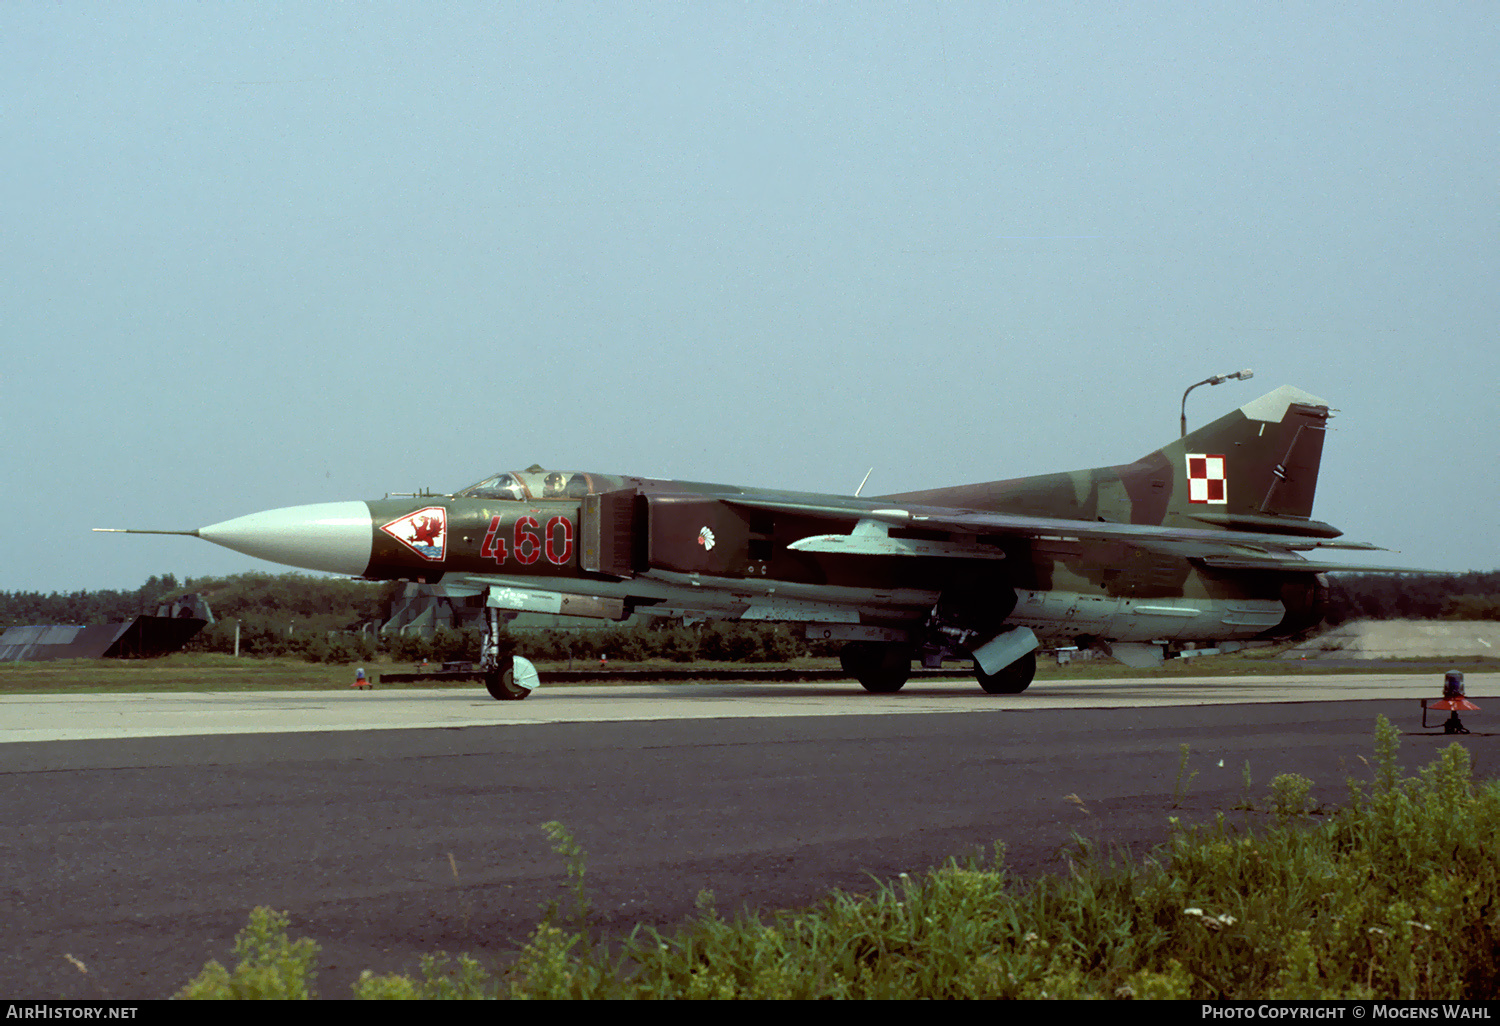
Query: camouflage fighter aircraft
(1196, 545)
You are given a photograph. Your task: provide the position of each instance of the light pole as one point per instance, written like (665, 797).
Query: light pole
(1217, 379)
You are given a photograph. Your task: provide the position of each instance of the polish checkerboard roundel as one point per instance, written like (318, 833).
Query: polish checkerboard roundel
(1207, 479)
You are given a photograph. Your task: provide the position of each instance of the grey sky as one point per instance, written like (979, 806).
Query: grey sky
(256, 255)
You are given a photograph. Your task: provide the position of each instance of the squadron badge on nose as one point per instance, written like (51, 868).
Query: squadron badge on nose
(425, 532)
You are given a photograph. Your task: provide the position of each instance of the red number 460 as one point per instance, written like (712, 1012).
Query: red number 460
(528, 543)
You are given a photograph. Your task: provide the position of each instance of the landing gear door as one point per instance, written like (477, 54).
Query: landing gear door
(609, 533)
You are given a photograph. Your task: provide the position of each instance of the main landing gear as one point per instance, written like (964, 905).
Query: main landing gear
(1012, 680)
(883, 668)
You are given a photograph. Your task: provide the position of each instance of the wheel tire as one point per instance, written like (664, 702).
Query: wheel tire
(856, 656)
(883, 683)
(881, 668)
(1012, 680)
(501, 686)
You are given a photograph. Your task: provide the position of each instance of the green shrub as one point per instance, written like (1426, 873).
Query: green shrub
(443, 979)
(271, 967)
(1289, 795)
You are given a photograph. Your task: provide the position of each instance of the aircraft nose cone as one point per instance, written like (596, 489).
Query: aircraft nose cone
(331, 536)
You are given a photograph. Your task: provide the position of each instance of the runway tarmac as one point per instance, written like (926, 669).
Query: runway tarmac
(142, 828)
(82, 717)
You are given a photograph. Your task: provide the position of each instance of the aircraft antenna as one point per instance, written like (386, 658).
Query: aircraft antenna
(862, 483)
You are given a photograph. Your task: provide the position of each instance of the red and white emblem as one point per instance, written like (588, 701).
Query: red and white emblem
(1207, 481)
(425, 532)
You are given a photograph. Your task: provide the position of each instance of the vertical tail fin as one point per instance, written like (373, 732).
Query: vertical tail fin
(1254, 468)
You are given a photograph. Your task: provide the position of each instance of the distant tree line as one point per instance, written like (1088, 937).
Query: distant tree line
(671, 641)
(1470, 596)
(277, 614)
(23, 608)
(666, 641)
(320, 619)
(328, 619)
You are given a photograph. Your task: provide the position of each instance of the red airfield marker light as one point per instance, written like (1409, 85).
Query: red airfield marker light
(1452, 701)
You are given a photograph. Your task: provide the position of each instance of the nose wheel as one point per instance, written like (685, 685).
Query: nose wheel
(512, 681)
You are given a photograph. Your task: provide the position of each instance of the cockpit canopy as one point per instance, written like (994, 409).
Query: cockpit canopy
(537, 483)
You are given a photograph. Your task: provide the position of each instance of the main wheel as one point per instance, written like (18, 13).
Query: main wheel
(1011, 680)
(880, 667)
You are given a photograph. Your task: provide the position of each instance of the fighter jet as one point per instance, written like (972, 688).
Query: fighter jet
(1197, 545)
